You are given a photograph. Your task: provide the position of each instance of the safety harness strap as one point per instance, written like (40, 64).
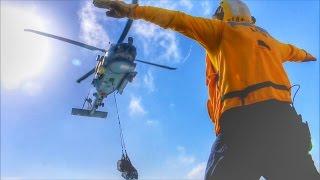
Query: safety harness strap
(242, 94)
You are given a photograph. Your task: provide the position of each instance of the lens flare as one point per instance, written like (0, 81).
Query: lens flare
(24, 56)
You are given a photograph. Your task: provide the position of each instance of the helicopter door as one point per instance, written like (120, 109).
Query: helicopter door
(100, 69)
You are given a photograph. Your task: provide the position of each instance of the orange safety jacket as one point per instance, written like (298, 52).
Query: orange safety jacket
(244, 63)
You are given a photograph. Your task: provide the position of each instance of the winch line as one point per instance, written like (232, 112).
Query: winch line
(123, 145)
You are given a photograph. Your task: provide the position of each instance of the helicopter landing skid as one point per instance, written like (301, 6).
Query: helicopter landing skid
(88, 113)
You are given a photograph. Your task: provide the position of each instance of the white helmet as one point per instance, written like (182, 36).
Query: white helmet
(234, 10)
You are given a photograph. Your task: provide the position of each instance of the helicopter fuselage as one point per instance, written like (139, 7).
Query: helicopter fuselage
(113, 72)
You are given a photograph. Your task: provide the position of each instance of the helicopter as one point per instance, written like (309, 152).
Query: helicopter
(113, 71)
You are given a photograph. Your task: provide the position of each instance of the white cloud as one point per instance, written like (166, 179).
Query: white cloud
(197, 172)
(170, 43)
(168, 4)
(91, 31)
(186, 3)
(135, 107)
(149, 81)
(32, 88)
(163, 45)
(146, 30)
(152, 123)
(164, 42)
(207, 8)
(137, 82)
(181, 149)
(183, 157)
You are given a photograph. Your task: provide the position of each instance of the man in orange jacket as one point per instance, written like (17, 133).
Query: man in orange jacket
(258, 131)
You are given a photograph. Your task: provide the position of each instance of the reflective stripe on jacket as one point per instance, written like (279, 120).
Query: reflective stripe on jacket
(244, 63)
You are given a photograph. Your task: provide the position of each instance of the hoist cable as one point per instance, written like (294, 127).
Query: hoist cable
(123, 145)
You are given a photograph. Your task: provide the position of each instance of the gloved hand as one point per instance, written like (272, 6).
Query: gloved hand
(116, 8)
(309, 57)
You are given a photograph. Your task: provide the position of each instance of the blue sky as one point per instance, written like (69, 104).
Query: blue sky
(166, 126)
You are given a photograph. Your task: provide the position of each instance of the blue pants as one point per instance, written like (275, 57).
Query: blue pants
(264, 139)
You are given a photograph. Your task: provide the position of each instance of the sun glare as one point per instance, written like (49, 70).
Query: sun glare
(24, 56)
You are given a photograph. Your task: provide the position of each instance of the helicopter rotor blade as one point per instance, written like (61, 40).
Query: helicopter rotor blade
(127, 27)
(86, 75)
(157, 65)
(92, 48)
(125, 31)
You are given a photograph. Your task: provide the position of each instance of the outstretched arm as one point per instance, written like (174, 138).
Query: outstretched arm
(206, 31)
(291, 53)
